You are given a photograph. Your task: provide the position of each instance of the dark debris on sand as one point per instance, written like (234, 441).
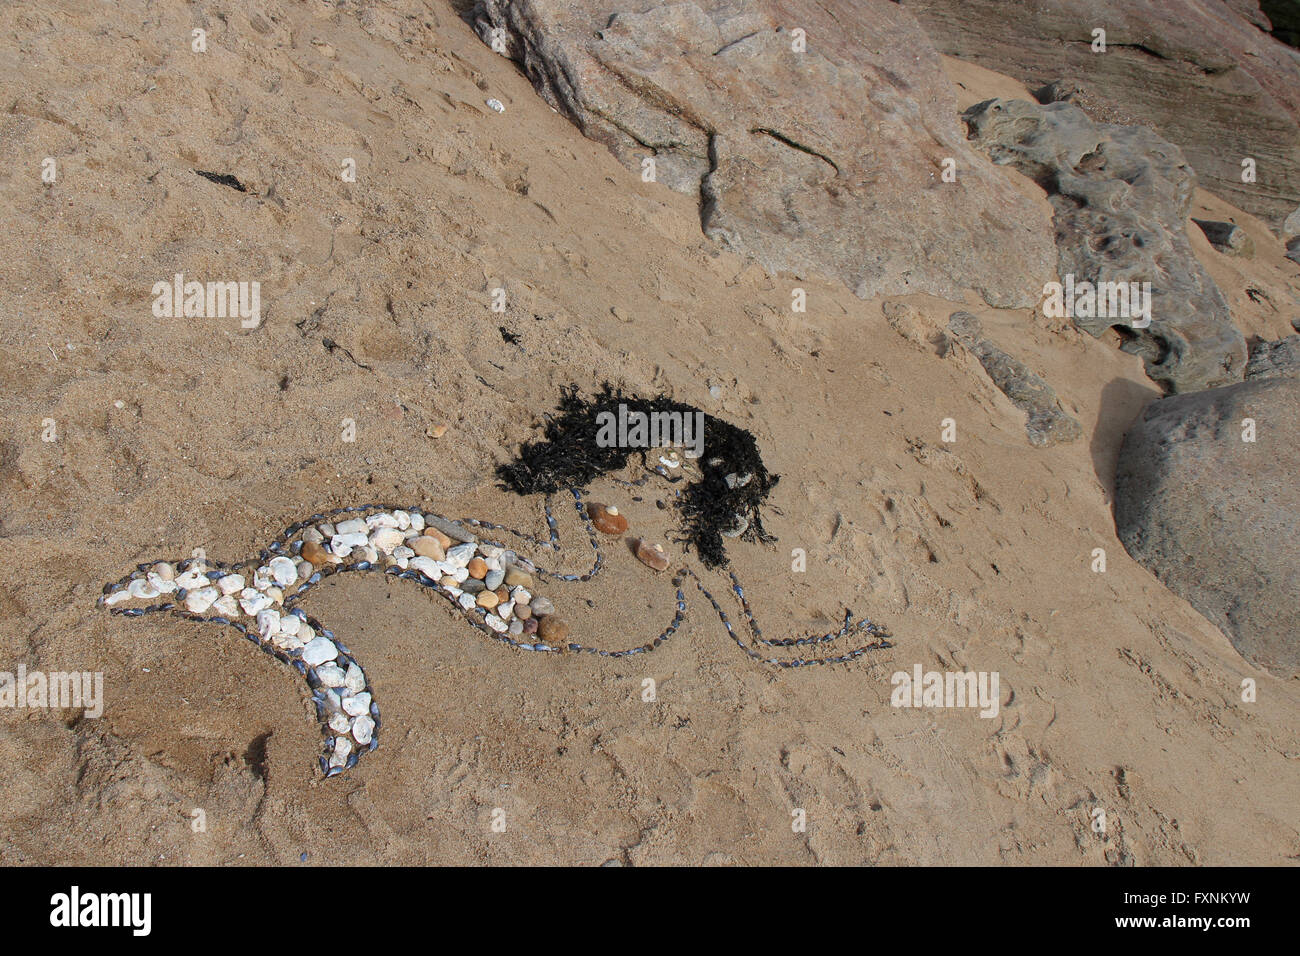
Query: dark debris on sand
(567, 456)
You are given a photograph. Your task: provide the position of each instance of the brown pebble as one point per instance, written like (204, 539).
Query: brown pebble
(487, 599)
(428, 546)
(523, 612)
(477, 568)
(652, 556)
(503, 595)
(516, 577)
(530, 625)
(448, 581)
(315, 553)
(607, 519)
(552, 630)
(438, 536)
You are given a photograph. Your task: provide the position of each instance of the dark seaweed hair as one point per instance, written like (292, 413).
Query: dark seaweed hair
(567, 456)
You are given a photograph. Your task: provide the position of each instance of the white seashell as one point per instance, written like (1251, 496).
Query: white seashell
(495, 623)
(357, 704)
(141, 589)
(253, 601)
(284, 571)
(460, 574)
(326, 530)
(493, 564)
(226, 606)
(505, 610)
(305, 570)
(231, 583)
(287, 642)
(403, 519)
(402, 551)
(368, 553)
(341, 723)
(521, 595)
(117, 597)
(426, 566)
(490, 552)
(200, 599)
(290, 623)
(349, 540)
(275, 594)
(164, 571)
(381, 520)
(268, 622)
(495, 106)
(262, 578)
(342, 748)
(466, 601)
(460, 555)
(159, 583)
(363, 728)
(670, 462)
(313, 535)
(355, 681)
(305, 632)
(417, 521)
(331, 675)
(320, 650)
(351, 526)
(191, 579)
(386, 539)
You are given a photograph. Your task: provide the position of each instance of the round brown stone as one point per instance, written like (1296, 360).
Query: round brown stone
(477, 568)
(487, 599)
(552, 630)
(607, 519)
(428, 546)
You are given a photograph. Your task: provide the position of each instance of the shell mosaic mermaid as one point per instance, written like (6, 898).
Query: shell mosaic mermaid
(504, 595)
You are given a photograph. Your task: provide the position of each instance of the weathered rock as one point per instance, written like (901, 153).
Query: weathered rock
(828, 159)
(1122, 196)
(1201, 73)
(1271, 359)
(1214, 516)
(1047, 423)
(1227, 237)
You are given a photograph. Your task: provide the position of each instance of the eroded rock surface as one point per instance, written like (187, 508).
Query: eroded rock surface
(1122, 197)
(1203, 73)
(826, 160)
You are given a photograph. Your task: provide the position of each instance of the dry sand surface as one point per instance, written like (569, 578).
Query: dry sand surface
(174, 434)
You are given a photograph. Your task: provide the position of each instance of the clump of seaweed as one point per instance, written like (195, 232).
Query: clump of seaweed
(725, 502)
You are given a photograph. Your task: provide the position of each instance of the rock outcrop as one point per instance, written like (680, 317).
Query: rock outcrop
(1213, 514)
(1047, 422)
(828, 158)
(1121, 197)
(1203, 73)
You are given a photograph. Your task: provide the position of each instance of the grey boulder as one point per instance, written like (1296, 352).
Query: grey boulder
(1214, 516)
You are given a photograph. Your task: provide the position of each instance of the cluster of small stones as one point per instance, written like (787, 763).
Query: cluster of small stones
(491, 585)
